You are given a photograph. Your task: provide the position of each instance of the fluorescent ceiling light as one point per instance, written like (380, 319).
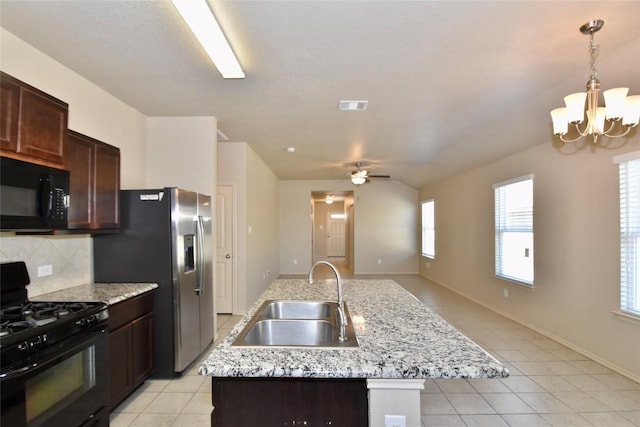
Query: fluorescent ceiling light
(204, 26)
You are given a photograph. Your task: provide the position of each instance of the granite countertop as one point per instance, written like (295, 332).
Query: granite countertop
(399, 337)
(109, 293)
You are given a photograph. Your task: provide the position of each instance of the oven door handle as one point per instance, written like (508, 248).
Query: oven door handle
(76, 345)
(18, 372)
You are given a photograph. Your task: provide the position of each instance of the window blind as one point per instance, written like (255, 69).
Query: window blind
(514, 229)
(630, 235)
(428, 229)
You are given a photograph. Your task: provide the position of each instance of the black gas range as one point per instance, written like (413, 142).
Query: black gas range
(54, 367)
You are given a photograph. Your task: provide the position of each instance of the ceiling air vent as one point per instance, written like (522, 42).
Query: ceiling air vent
(353, 105)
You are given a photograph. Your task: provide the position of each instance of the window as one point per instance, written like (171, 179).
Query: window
(629, 233)
(514, 229)
(428, 229)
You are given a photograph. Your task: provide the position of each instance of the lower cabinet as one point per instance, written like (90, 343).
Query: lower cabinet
(131, 345)
(289, 402)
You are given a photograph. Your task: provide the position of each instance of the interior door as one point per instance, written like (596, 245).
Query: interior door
(335, 234)
(224, 243)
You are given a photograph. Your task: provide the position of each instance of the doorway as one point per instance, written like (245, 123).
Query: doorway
(225, 264)
(332, 228)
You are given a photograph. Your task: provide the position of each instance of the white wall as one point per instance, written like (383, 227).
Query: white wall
(263, 257)
(182, 153)
(576, 226)
(256, 205)
(385, 226)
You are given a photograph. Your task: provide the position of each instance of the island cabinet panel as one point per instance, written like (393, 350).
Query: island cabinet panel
(34, 124)
(289, 402)
(131, 345)
(94, 185)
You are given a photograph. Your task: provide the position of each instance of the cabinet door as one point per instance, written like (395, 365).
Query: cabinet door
(34, 124)
(43, 126)
(94, 186)
(106, 187)
(81, 164)
(142, 364)
(9, 110)
(120, 351)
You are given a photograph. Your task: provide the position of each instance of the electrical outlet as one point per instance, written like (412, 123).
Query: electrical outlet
(428, 264)
(45, 270)
(295, 261)
(505, 292)
(395, 421)
(379, 260)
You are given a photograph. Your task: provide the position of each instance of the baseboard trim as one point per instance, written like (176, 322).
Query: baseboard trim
(578, 349)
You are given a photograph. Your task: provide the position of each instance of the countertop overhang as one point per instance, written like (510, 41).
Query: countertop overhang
(399, 337)
(109, 293)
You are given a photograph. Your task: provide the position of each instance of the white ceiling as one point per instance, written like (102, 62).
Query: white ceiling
(450, 84)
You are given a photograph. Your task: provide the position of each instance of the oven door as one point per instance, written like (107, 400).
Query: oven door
(67, 385)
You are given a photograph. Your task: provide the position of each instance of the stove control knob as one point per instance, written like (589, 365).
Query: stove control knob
(82, 323)
(31, 345)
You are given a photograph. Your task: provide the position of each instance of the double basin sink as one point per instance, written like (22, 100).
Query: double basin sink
(290, 323)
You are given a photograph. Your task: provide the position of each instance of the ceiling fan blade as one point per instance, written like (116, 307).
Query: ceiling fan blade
(379, 176)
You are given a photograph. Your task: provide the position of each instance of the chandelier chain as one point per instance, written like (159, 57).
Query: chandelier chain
(594, 48)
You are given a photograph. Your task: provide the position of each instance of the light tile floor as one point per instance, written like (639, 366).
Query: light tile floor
(550, 384)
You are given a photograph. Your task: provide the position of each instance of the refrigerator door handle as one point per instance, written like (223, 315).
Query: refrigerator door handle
(200, 256)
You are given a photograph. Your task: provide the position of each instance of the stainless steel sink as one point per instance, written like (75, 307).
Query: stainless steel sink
(289, 309)
(288, 323)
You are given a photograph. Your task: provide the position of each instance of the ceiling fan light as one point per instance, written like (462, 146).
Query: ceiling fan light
(631, 111)
(358, 180)
(614, 101)
(575, 107)
(560, 123)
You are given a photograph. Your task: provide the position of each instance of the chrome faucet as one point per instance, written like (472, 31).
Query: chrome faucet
(342, 318)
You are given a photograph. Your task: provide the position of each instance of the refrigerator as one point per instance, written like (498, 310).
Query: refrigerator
(166, 238)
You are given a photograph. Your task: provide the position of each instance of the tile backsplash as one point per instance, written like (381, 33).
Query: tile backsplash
(70, 258)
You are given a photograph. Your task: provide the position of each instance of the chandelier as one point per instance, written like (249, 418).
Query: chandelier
(620, 114)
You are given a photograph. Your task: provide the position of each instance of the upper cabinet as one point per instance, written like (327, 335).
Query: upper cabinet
(94, 184)
(34, 124)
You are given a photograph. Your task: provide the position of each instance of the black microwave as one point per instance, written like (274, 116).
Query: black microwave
(32, 197)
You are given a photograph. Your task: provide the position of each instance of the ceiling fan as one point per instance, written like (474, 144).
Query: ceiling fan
(361, 176)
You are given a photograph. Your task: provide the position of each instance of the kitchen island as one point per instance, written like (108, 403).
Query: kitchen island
(401, 342)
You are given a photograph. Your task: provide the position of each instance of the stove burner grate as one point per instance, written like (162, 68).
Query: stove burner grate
(19, 317)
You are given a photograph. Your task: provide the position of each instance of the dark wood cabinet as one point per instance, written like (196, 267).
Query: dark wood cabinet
(94, 185)
(34, 124)
(9, 112)
(130, 345)
(289, 401)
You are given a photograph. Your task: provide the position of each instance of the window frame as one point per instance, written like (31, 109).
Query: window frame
(629, 210)
(425, 227)
(500, 228)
